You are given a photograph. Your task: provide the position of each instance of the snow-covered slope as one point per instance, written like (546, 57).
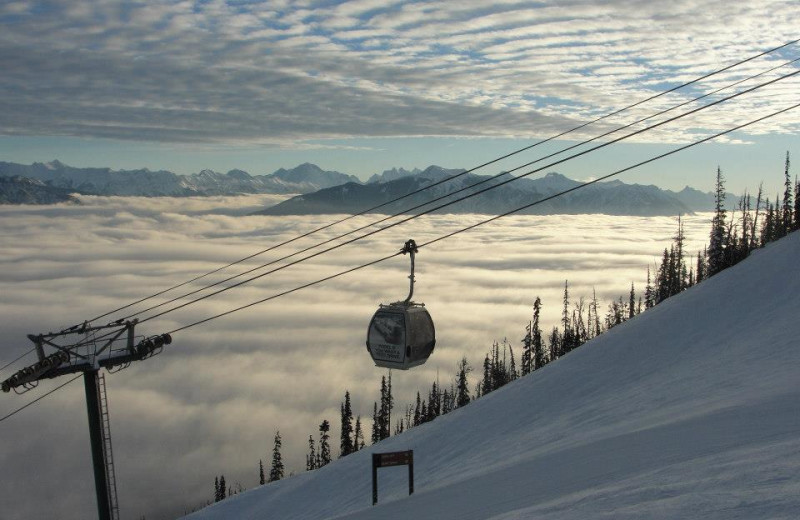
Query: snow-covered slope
(690, 410)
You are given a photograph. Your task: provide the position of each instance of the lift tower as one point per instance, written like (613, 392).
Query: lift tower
(87, 349)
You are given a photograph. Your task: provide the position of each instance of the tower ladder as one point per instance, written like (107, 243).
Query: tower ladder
(111, 478)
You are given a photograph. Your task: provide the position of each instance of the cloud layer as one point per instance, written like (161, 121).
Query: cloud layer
(284, 73)
(211, 403)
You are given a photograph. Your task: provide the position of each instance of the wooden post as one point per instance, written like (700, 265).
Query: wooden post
(376, 457)
(411, 472)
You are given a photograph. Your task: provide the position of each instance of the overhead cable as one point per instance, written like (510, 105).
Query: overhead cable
(469, 195)
(492, 219)
(452, 177)
(17, 359)
(474, 194)
(443, 237)
(452, 193)
(59, 387)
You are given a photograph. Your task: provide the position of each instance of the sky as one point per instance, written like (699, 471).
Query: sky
(211, 403)
(364, 86)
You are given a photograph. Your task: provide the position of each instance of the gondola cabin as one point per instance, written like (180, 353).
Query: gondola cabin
(401, 335)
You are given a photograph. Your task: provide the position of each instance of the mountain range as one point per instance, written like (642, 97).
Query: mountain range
(325, 192)
(612, 198)
(23, 190)
(147, 183)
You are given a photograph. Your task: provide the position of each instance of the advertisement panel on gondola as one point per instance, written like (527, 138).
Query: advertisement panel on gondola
(387, 337)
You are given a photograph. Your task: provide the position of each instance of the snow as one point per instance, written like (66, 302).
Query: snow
(691, 409)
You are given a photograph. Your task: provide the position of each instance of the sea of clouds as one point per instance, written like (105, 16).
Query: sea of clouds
(212, 402)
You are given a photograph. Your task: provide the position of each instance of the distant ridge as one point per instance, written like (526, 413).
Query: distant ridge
(392, 175)
(22, 190)
(304, 178)
(326, 192)
(612, 198)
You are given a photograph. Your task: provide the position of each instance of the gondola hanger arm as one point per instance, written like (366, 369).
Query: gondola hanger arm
(410, 247)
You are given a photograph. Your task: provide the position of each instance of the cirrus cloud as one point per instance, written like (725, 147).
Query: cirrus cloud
(285, 73)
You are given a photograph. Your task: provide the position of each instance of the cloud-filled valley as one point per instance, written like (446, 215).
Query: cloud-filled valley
(210, 404)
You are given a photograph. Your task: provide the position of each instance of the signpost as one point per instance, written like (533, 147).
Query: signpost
(385, 460)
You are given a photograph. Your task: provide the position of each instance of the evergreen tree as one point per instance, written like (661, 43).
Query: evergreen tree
(649, 296)
(384, 416)
(216, 490)
(462, 385)
(615, 314)
(743, 242)
(311, 458)
(701, 266)
(430, 412)
(435, 400)
(527, 350)
(512, 364)
(631, 303)
(568, 336)
(777, 230)
(222, 488)
(346, 437)
(276, 470)
(324, 445)
(663, 280)
(718, 242)
(679, 266)
(537, 344)
(498, 368)
(767, 229)
(672, 272)
(375, 426)
(358, 436)
(382, 410)
(447, 402)
(261, 472)
(389, 403)
(499, 372)
(555, 344)
(596, 324)
(786, 213)
(754, 227)
(796, 224)
(418, 411)
(578, 323)
(487, 386)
